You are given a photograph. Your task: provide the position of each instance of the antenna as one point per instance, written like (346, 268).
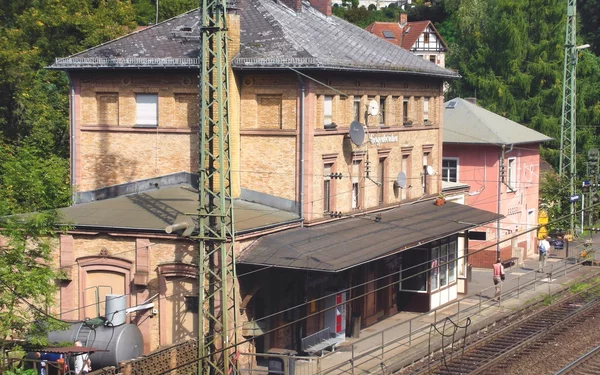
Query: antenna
(400, 180)
(373, 109)
(357, 133)
(429, 170)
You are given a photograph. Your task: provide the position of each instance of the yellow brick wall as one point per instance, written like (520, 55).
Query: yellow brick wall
(336, 142)
(125, 86)
(264, 140)
(109, 158)
(161, 251)
(267, 165)
(271, 88)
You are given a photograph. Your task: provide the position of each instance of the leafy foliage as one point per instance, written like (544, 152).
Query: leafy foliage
(553, 190)
(27, 276)
(34, 101)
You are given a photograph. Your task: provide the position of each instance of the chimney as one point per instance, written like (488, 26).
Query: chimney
(323, 6)
(471, 100)
(403, 19)
(295, 5)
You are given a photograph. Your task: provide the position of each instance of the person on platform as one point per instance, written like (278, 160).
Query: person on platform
(498, 278)
(543, 249)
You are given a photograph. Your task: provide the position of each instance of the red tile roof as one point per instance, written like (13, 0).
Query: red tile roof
(404, 37)
(377, 28)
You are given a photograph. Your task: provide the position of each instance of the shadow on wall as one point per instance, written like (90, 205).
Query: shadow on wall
(109, 168)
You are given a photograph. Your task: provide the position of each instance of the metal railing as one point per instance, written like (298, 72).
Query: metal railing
(129, 61)
(377, 350)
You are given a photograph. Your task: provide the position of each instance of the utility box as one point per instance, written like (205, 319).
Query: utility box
(277, 365)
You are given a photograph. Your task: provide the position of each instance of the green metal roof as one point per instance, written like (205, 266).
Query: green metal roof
(156, 209)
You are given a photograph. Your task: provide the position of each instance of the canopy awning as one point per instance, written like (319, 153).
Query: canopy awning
(343, 244)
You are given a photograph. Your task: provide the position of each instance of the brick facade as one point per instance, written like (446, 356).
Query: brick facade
(273, 130)
(265, 133)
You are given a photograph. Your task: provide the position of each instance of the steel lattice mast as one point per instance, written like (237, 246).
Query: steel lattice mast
(568, 129)
(217, 275)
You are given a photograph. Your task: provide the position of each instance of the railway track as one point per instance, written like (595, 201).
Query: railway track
(588, 364)
(497, 350)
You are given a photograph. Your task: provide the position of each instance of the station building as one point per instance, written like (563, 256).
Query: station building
(320, 218)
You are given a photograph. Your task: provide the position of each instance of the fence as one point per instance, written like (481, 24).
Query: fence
(371, 353)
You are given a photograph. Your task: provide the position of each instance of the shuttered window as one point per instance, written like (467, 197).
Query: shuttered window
(146, 109)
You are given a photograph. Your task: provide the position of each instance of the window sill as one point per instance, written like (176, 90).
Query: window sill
(145, 126)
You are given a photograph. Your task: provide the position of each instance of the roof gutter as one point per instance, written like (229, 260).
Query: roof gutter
(347, 69)
(162, 231)
(72, 136)
(301, 179)
(254, 67)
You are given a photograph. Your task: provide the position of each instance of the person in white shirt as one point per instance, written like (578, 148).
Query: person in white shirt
(83, 364)
(543, 249)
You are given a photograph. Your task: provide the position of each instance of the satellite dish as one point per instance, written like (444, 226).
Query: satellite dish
(429, 170)
(357, 133)
(400, 180)
(373, 107)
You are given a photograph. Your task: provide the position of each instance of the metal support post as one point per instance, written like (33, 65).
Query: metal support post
(217, 314)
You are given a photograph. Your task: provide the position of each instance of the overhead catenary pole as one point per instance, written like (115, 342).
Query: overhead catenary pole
(216, 264)
(568, 126)
(500, 182)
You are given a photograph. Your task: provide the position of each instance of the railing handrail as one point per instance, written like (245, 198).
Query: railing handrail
(420, 329)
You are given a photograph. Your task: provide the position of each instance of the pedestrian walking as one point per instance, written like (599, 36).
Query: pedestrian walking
(543, 249)
(498, 278)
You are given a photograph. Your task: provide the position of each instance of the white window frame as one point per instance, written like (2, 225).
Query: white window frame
(327, 169)
(435, 268)
(327, 109)
(445, 175)
(146, 110)
(421, 270)
(356, 108)
(381, 116)
(511, 174)
(356, 164)
(443, 264)
(425, 110)
(452, 262)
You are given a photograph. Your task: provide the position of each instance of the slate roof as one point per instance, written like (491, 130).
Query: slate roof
(469, 123)
(339, 245)
(404, 36)
(272, 37)
(155, 209)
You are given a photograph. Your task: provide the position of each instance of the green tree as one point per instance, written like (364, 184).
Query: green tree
(32, 180)
(27, 279)
(589, 14)
(34, 101)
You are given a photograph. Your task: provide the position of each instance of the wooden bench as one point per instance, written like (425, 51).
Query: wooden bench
(319, 342)
(508, 263)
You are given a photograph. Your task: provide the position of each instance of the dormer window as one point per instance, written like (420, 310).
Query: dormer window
(388, 34)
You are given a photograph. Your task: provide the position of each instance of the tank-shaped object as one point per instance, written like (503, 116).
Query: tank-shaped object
(116, 304)
(123, 342)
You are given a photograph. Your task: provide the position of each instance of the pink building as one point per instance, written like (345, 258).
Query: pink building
(499, 161)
